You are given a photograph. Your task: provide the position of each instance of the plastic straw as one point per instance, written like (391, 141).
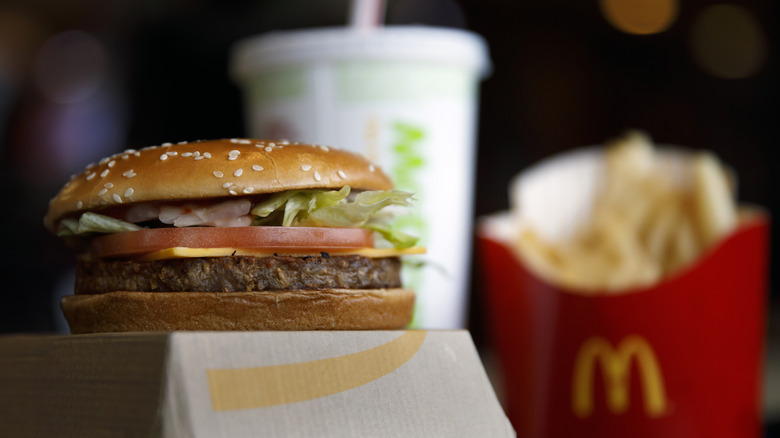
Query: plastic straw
(366, 14)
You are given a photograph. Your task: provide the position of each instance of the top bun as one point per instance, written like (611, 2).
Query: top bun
(211, 169)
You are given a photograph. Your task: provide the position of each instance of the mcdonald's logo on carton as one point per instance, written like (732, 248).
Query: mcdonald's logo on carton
(615, 364)
(682, 358)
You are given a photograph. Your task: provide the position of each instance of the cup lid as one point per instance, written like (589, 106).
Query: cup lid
(415, 43)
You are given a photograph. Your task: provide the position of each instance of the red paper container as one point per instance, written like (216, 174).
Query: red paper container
(681, 359)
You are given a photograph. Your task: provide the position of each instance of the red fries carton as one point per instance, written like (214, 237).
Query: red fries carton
(682, 357)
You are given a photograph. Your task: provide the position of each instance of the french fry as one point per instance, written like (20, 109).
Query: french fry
(655, 214)
(661, 227)
(715, 210)
(539, 255)
(633, 155)
(685, 247)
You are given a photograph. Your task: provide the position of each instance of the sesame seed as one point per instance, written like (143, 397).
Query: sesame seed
(129, 151)
(104, 173)
(249, 190)
(102, 192)
(234, 140)
(226, 185)
(234, 152)
(117, 198)
(257, 168)
(317, 175)
(218, 174)
(196, 154)
(163, 157)
(371, 167)
(129, 192)
(268, 148)
(167, 143)
(325, 148)
(172, 153)
(342, 174)
(238, 172)
(259, 145)
(244, 141)
(128, 172)
(231, 158)
(137, 154)
(79, 204)
(181, 142)
(186, 154)
(90, 166)
(207, 154)
(90, 176)
(111, 163)
(104, 161)
(199, 157)
(284, 142)
(272, 144)
(306, 167)
(131, 175)
(148, 147)
(108, 185)
(125, 156)
(232, 192)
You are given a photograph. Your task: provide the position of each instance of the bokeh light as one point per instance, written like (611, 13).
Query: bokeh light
(727, 42)
(70, 67)
(640, 17)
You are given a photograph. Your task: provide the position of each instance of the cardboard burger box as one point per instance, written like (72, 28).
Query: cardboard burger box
(248, 384)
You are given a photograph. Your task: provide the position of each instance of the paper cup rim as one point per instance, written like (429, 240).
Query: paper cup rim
(455, 47)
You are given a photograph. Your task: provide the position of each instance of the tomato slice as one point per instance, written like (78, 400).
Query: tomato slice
(292, 239)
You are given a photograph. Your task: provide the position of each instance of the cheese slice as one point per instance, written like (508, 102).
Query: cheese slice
(180, 252)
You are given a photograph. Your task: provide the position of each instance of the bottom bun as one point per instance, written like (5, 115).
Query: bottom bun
(335, 309)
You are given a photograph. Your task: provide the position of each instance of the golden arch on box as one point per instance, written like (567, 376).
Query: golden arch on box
(616, 368)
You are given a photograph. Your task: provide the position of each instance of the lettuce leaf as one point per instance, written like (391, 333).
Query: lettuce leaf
(90, 222)
(397, 238)
(332, 208)
(272, 204)
(357, 213)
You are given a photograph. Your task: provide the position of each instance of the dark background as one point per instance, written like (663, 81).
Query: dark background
(86, 78)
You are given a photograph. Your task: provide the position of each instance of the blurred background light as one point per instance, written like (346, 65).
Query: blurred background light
(78, 112)
(727, 42)
(640, 17)
(70, 67)
(20, 35)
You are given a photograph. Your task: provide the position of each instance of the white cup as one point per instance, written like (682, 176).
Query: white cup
(406, 98)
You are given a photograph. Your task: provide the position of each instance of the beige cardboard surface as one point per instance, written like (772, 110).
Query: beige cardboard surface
(252, 384)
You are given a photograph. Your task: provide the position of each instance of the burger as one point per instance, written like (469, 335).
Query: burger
(233, 234)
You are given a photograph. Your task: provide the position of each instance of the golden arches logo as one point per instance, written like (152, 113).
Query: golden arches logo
(256, 387)
(616, 368)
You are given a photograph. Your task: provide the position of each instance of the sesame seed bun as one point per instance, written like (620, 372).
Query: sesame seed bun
(211, 169)
(334, 309)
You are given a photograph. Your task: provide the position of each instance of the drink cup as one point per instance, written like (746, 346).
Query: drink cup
(406, 98)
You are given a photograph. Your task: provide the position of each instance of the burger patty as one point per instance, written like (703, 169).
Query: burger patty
(237, 274)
